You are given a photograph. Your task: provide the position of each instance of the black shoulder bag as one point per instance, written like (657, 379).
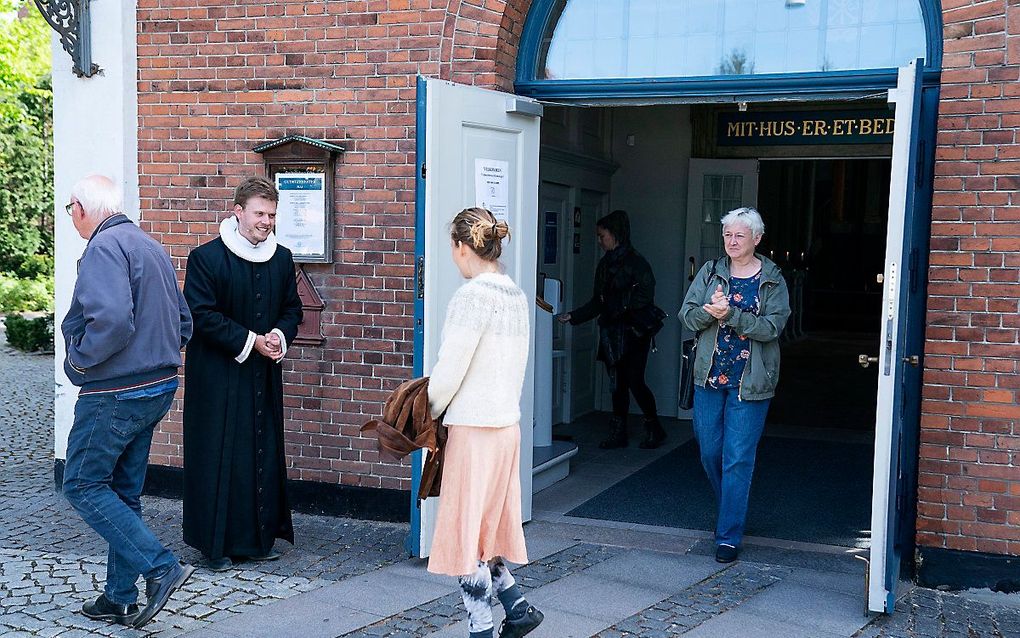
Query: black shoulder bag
(688, 353)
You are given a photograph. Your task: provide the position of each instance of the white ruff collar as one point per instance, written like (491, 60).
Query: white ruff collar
(258, 253)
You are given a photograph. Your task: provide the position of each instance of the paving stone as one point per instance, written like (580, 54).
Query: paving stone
(51, 562)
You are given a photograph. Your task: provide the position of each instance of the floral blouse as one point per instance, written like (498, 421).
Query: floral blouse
(732, 350)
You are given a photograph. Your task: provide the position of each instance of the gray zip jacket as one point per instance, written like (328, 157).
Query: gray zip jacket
(128, 320)
(761, 374)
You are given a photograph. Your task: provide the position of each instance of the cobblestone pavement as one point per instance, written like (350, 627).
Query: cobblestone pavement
(693, 606)
(924, 613)
(50, 562)
(440, 613)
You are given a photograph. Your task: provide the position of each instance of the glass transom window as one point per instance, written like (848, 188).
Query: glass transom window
(589, 39)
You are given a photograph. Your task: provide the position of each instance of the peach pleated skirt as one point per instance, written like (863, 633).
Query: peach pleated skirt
(479, 515)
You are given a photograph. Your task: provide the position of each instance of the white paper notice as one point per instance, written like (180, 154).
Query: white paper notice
(492, 186)
(301, 213)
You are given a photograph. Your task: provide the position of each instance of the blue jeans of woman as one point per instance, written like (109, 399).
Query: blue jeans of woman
(728, 431)
(107, 455)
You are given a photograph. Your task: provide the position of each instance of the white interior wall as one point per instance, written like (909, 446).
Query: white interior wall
(95, 130)
(651, 185)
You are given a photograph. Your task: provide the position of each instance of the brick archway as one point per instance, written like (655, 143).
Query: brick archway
(480, 41)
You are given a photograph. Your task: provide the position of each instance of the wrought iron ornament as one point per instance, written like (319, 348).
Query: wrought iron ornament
(70, 19)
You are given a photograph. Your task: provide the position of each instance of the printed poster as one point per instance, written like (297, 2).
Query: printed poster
(492, 190)
(301, 213)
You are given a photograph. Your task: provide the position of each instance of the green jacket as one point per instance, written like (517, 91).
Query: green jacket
(761, 374)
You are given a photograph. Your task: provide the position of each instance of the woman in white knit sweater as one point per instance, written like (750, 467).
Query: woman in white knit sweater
(477, 382)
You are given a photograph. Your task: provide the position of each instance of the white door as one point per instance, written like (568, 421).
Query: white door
(554, 258)
(894, 376)
(474, 147)
(585, 370)
(714, 187)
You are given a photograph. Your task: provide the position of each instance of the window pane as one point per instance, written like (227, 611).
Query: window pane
(671, 38)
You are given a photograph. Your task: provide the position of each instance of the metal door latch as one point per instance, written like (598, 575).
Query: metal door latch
(865, 361)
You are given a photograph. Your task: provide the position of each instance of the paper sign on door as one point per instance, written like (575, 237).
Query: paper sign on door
(491, 189)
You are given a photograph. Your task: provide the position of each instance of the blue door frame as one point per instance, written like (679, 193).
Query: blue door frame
(916, 239)
(413, 541)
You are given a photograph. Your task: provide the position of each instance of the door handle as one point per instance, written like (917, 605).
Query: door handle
(912, 360)
(690, 275)
(865, 361)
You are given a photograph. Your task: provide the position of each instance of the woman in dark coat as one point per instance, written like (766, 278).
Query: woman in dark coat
(624, 289)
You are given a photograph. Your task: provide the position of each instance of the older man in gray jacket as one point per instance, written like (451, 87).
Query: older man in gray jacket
(124, 332)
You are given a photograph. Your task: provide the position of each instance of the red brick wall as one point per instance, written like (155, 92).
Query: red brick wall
(218, 77)
(969, 483)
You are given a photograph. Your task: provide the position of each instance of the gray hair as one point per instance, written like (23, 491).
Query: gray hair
(99, 196)
(748, 217)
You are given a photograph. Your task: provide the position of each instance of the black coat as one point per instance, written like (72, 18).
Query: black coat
(235, 501)
(624, 285)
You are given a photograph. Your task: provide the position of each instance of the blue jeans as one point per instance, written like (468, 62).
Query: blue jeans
(107, 454)
(728, 431)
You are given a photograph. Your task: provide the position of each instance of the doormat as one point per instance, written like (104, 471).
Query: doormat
(803, 490)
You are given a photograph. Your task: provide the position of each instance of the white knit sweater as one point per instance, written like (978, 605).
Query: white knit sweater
(483, 355)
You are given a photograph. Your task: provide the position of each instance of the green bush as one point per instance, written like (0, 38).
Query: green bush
(26, 295)
(35, 266)
(30, 335)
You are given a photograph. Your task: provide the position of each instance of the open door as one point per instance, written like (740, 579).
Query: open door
(899, 355)
(475, 147)
(714, 188)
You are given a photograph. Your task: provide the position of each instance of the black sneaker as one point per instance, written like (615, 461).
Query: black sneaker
(102, 609)
(158, 591)
(527, 623)
(725, 553)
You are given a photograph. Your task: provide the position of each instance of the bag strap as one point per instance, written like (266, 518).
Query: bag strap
(711, 273)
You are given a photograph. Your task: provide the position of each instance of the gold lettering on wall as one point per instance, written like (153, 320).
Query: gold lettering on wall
(840, 127)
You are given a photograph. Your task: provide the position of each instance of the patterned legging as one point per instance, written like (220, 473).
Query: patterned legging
(477, 588)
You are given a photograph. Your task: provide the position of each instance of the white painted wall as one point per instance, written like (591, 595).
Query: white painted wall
(651, 185)
(95, 130)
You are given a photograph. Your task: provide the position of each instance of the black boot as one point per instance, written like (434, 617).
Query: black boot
(654, 434)
(617, 434)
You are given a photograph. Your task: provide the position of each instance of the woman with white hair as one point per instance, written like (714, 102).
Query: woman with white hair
(738, 306)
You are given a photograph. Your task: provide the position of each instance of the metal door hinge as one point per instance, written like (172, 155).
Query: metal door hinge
(423, 170)
(421, 277)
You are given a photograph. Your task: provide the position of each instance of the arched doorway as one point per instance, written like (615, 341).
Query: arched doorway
(685, 92)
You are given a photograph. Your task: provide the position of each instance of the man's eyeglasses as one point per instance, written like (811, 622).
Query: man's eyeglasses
(70, 208)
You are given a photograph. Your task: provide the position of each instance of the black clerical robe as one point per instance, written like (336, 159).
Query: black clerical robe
(235, 502)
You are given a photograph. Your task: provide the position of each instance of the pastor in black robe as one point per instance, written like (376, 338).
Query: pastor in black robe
(235, 501)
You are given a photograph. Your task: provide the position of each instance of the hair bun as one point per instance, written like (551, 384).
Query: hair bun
(499, 230)
(481, 230)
